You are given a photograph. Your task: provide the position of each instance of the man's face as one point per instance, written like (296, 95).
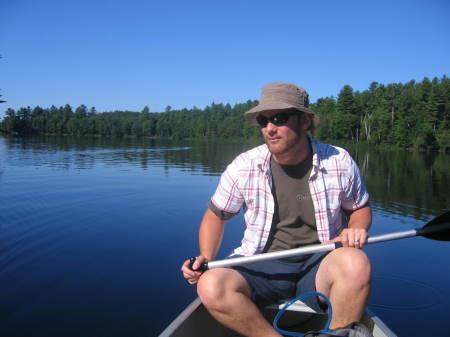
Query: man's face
(282, 138)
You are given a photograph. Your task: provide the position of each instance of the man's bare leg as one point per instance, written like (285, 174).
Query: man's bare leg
(226, 295)
(344, 276)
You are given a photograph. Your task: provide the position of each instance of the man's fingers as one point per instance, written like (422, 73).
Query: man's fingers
(363, 239)
(196, 265)
(188, 273)
(359, 238)
(351, 237)
(189, 269)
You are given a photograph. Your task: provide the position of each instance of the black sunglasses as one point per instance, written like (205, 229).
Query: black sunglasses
(279, 119)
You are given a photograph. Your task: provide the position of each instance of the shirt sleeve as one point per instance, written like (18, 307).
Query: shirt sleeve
(228, 197)
(220, 214)
(355, 193)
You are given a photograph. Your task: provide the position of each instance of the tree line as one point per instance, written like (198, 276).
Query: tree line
(406, 115)
(410, 115)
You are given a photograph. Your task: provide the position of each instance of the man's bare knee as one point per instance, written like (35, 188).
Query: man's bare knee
(210, 289)
(356, 267)
(215, 285)
(345, 264)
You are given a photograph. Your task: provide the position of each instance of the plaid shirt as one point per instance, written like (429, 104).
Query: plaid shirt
(335, 184)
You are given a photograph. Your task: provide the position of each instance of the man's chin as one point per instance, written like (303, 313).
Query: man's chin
(275, 148)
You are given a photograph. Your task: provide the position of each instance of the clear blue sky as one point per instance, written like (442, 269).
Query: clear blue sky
(127, 54)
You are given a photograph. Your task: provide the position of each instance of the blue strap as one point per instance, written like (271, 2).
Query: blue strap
(302, 296)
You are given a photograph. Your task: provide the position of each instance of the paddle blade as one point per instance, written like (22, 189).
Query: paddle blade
(437, 229)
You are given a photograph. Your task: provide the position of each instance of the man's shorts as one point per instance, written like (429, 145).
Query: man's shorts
(277, 280)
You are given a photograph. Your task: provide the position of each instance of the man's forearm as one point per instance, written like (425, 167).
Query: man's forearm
(361, 218)
(210, 234)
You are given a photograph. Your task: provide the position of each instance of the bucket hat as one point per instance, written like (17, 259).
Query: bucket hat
(282, 96)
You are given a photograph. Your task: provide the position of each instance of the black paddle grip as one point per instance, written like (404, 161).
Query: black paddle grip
(203, 266)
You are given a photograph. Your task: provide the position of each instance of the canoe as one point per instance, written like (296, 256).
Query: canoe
(195, 321)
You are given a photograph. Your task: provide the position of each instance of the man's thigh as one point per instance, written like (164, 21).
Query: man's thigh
(277, 280)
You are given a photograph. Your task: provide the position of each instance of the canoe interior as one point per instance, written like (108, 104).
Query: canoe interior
(195, 321)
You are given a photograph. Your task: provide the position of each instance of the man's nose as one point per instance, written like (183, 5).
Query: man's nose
(271, 128)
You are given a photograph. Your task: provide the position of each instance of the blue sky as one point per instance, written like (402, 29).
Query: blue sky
(123, 55)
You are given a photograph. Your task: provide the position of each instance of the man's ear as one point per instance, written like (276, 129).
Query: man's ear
(306, 121)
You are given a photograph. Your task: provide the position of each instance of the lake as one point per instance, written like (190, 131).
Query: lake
(93, 233)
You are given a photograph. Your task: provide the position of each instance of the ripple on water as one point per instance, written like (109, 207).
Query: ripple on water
(403, 294)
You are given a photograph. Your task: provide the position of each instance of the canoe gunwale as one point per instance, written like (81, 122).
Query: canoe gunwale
(191, 308)
(380, 324)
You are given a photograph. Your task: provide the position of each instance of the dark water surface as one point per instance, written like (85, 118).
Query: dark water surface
(93, 232)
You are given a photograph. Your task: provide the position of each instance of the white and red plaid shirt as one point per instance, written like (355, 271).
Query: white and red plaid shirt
(335, 185)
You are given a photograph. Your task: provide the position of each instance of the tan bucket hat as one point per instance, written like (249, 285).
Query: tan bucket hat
(282, 96)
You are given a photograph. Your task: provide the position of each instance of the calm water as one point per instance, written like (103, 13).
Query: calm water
(93, 232)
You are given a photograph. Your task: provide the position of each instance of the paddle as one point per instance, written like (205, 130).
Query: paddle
(436, 229)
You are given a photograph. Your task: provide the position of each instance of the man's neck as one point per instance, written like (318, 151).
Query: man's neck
(295, 155)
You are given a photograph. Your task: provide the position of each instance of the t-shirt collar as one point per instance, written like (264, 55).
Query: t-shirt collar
(264, 163)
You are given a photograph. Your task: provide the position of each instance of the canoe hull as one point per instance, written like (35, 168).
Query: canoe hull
(195, 321)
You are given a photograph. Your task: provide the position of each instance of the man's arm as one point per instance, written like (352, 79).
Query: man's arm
(361, 218)
(359, 222)
(210, 238)
(210, 234)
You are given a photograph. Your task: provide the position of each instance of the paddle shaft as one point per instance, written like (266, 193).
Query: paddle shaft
(236, 261)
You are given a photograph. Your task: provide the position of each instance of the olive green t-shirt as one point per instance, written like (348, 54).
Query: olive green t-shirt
(293, 223)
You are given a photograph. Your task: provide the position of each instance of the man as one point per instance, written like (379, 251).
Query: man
(294, 191)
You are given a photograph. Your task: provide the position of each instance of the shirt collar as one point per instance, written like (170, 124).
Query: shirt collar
(315, 145)
(264, 159)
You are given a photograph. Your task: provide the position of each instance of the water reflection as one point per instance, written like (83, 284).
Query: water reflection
(406, 183)
(400, 182)
(86, 153)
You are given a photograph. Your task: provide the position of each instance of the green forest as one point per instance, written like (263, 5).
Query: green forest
(412, 115)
